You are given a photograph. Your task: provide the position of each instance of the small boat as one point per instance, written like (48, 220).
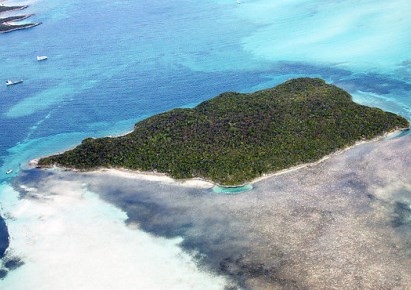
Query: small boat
(41, 57)
(9, 171)
(10, 83)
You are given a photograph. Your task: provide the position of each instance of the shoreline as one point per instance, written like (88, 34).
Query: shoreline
(202, 182)
(19, 27)
(196, 182)
(338, 152)
(9, 26)
(14, 8)
(16, 18)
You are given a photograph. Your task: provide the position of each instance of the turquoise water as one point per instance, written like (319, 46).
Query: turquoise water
(232, 190)
(112, 63)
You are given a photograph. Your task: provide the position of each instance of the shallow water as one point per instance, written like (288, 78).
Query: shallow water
(113, 63)
(68, 238)
(232, 190)
(332, 224)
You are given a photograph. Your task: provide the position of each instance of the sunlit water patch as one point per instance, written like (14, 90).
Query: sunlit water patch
(352, 33)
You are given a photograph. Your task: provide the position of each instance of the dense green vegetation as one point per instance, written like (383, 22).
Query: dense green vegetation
(235, 137)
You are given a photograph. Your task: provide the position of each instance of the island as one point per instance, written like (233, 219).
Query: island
(7, 24)
(237, 137)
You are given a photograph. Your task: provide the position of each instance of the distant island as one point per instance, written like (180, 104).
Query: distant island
(234, 138)
(11, 8)
(7, 24)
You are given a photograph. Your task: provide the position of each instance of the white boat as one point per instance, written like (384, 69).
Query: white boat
(41, 57)
(9, 171)
(10, 82)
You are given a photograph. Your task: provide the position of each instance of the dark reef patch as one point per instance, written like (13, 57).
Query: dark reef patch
(3, 273)
(402, 215)
(9, 264)
(352, 82)
(374, 83)
(13, 263)
(296, 68)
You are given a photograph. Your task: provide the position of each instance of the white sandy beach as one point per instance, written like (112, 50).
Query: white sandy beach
(158, 177)
(203, 183)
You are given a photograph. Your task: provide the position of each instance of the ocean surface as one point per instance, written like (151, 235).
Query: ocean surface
(113, 63)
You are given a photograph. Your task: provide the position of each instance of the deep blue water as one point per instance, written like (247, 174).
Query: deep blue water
(112, 63)
(4, 237)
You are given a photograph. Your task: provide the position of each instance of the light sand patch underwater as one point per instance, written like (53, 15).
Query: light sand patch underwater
(68, 238)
